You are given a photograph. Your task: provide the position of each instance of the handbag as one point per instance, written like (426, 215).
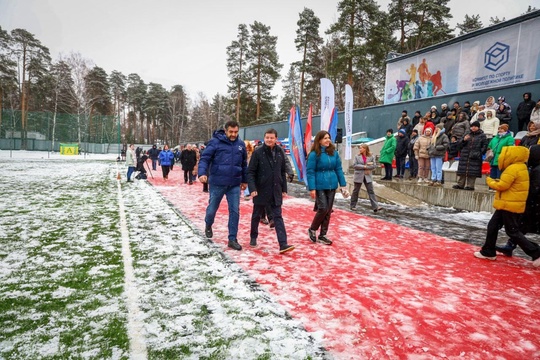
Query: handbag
(489, 155)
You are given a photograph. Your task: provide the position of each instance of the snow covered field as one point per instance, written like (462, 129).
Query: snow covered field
(92, 268)
(95, 270)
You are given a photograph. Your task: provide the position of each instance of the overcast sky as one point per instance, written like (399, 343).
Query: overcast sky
(184, 42)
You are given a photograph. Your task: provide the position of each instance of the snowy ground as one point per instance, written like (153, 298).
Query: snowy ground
(94, 269)
(74, 283)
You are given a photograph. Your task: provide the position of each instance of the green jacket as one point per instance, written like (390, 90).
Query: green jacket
(497, 143)
(388, 149)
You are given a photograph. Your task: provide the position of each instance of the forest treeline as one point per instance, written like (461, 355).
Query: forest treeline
(354, 52)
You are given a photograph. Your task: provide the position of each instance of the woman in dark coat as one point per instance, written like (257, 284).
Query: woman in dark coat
(472, 148)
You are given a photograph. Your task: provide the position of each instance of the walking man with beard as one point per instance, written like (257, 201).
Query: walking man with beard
(224, 164)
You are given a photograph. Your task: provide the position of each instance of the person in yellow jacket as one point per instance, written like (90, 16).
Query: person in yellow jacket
(509, 203)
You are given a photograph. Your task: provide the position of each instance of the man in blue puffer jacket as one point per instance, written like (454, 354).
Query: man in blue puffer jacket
(224, 165)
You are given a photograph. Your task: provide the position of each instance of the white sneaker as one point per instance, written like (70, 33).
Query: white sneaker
(479, 255)
(420, 180)
(536, 263)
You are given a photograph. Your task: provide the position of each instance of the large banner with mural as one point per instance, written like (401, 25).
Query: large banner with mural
(502, 57)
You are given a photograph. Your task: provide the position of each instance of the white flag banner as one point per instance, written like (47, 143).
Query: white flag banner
(327, 103)
(348, 121)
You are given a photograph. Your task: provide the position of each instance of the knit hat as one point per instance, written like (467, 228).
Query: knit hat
(504, 127)
(440, 126)
(475, 123)
(476, 102)
(444, 105)
(433, 107)
(402, 131)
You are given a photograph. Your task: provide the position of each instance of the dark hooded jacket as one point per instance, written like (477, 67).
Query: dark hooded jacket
(525, 108)
(471, 152)
(406, 125)
(402, 145)
(153, 153)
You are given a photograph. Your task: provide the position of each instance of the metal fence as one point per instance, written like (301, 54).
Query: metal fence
(97, 134)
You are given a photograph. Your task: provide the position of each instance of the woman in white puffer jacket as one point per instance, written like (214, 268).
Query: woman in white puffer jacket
(490, 125)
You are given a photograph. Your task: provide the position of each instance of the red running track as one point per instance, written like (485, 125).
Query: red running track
(383, 291)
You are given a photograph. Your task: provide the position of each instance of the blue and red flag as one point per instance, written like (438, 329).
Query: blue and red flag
(332, 128)
(296, 143)
(308, 135)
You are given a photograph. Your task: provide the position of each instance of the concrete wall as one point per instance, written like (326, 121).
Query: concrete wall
(446, 196)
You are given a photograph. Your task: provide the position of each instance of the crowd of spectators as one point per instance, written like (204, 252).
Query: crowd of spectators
(461, 132)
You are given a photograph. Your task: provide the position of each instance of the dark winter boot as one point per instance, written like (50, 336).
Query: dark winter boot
(507, 249)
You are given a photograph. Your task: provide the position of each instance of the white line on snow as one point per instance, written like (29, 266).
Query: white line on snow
(135, 329)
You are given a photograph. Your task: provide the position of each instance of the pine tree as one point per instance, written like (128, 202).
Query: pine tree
(237, 67)
(469, 24)
(177, 112)
(99, 100)
(362, 44)
(156, 107)
(420, 23)
(495, 20)
(32, 57)
(264, 69)
(8, 71)
(291, 92)
(136, 94)
(63, 101)
(308, 42)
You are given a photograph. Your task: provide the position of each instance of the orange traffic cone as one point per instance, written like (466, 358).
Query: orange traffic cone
(118, 177)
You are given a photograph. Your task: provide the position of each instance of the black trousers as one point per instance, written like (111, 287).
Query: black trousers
(387, 171)
(188, 176)
(510, 221)
(165, 169)
(258, 211)
(324, 202)
(413, 166)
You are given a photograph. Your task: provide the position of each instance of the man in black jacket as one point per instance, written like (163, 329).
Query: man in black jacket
(153, 153)
(524, 110)
(267, 183)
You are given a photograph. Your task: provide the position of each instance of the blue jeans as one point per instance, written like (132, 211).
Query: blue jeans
(154, 163)
(131, 169)
(233, 200)
(436, 168)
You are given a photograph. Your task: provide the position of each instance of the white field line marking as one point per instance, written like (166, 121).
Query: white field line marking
(135, 329)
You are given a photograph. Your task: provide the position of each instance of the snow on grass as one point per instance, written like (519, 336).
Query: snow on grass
(62, 291)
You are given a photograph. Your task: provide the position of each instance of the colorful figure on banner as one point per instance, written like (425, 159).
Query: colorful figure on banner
(437, 82)
(429, 87)
(418, 91)
(406, 93)
(412, 72)
(400, 85)
(423, 72)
